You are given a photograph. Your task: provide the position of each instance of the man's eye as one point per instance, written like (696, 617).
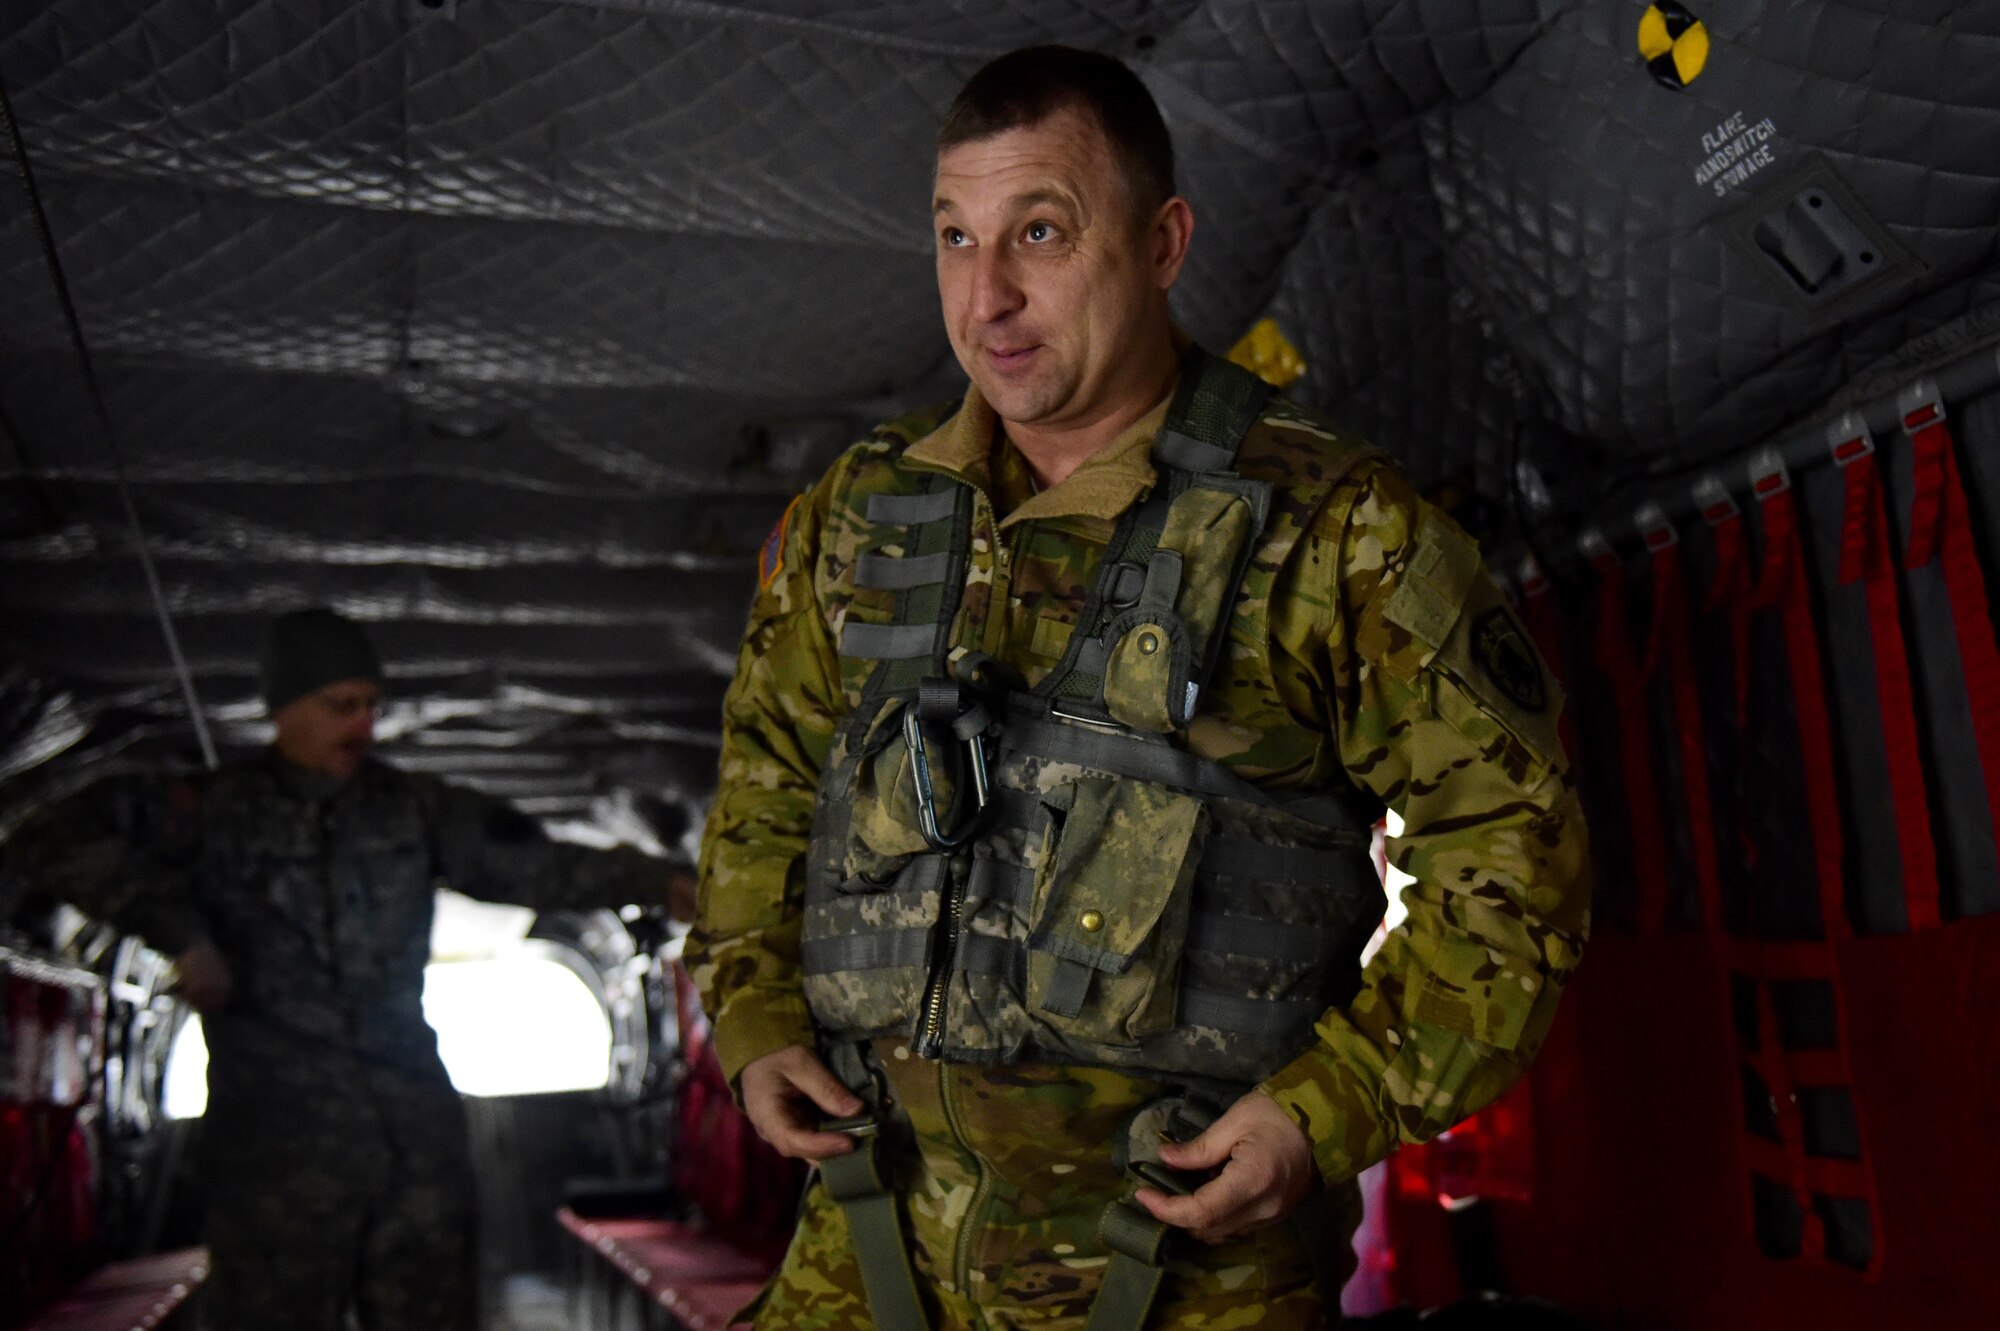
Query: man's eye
(952, 236)
(1039, 232)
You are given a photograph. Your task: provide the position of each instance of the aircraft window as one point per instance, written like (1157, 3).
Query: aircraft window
(517, 1025)
(511, 1025)
(185, 1092)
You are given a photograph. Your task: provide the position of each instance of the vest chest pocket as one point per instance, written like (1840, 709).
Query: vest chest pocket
(1110, 911)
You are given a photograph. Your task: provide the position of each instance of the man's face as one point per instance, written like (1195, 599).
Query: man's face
(1048, 281)
(331, 729)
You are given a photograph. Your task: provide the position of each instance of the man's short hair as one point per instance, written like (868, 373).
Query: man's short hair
(1027, 86)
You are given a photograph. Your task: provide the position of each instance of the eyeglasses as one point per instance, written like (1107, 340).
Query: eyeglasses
(344, 706)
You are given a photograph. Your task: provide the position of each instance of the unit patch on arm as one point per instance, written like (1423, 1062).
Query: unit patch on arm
(771, 558)
(1501, 650)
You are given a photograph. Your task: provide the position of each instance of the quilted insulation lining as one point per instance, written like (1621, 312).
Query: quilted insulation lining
(510, 325)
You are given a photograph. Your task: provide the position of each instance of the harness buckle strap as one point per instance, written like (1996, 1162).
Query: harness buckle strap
(1714, 500)
(857, 1127)
(1655, 528)
(856, 1184)
(1085, 719)
(1768, 475)
(1921, 406)
(1848, 439)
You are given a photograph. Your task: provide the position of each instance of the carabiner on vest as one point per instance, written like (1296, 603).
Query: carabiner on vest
(928, 821)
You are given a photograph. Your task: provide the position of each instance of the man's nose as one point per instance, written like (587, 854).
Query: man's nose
(995, 293)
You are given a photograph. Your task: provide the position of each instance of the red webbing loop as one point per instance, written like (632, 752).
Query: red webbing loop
(1778, 959)
(1781, 584)
(1865, 558)
(1729, 594)
(1671, 638)
(1622, 670)
(1769, 1060)
(1816, 1067)
(1941, 527)
(1825, 1175)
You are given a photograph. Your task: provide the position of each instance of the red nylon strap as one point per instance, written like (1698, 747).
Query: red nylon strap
(1816, 1067)
(1781, 583)
(1635, 749)
(1865, 558)
(1941, 527)
(1825, 1175)
(1769, 1060)
(1777, 960)
(1671, 638)
(1729, 594)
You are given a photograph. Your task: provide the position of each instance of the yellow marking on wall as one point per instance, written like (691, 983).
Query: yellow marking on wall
(1673, 43)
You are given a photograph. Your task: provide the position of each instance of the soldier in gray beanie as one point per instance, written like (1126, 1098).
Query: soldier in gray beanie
(294, 889)
(309, 649)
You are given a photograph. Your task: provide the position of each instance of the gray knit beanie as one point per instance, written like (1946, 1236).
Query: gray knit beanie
(310, 649)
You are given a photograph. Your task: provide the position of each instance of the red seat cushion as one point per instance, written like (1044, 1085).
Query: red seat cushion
(703, 1280)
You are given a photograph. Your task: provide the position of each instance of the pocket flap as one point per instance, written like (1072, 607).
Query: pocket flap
(1119, 869)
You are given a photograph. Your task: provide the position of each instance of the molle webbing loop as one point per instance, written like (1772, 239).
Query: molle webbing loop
(927, 577)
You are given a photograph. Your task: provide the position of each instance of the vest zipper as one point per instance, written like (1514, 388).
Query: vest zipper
(930, 1023)
(930, 1036)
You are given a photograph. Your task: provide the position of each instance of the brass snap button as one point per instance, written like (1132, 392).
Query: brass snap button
(1149, 643)
(1092, 921)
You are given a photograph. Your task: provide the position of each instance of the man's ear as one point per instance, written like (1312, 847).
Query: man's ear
(1169, 235)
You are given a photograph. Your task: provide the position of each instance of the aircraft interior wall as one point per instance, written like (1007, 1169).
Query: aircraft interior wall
(508, 328)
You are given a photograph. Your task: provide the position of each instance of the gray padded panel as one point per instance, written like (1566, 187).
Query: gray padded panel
(511, 325)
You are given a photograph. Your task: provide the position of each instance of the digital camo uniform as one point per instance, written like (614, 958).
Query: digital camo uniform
(1367, 648)
(334, 1149)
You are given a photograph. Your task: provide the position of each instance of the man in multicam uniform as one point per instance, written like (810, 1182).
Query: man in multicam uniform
(295, 890)
(1367, 653)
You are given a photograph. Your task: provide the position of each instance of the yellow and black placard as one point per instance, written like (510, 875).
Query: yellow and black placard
(1673, 43)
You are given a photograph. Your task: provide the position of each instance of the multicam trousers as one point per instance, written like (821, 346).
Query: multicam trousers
(1003, 1174)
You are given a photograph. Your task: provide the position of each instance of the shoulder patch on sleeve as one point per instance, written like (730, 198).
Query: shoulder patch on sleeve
(1492, 663)
(771, 558)
(1501, 650)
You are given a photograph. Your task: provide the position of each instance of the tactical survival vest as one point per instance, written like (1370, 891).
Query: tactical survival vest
(999, 873)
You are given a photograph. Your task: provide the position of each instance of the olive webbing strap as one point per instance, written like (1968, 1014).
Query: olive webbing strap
(1214, 407)
(855, 1182)
(1126, 754)
(1136, 537)
(1138, 1246)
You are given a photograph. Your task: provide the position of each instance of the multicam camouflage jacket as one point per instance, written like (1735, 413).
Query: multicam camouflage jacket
(1367, 650)
(320, 899)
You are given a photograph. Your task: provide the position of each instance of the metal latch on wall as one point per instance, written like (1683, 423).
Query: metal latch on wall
(1816, 241)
